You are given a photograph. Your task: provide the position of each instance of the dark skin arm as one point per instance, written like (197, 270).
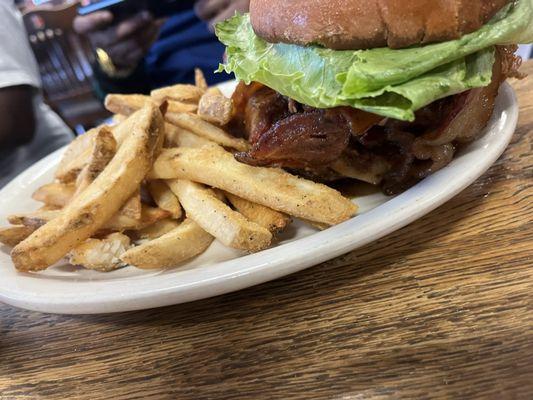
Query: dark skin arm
(215, 11)
(17, 123)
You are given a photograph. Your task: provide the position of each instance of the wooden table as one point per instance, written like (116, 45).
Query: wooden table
(440, 309)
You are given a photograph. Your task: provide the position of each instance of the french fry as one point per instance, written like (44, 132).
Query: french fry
(216, 108)
(34, 219)
(182, 243)
(88, 212)
(118, 118)
(157, 229)
(118, 223)
(271, 187)
(176, 136)
(266, 217)
(49, 207)
(216, 218)
(78, 152)
(104, 148)
(180, 92)
(165, 198)
(206, 130)
(101, 254)
(180, 107)
(75, 157)
(122, 130)
(215, 91)
(151, 215)
(133, 207)
(55, 194)
(126, 104)
(13, 235)
(199, 79)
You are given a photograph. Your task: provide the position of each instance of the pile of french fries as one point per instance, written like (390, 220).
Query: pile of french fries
(157, 187)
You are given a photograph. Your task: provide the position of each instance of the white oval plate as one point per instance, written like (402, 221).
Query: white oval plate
(70, 290)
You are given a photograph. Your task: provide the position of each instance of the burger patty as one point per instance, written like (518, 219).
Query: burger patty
(329, 144)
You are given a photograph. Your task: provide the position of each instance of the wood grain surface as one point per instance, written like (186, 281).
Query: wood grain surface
(440, 309)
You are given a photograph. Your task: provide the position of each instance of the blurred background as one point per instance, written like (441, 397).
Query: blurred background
(82, 58)
(65, 61)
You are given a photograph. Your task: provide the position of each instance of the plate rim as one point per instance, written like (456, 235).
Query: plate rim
(132, 294)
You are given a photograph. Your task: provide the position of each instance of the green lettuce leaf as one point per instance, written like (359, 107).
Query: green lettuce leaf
(392, 83)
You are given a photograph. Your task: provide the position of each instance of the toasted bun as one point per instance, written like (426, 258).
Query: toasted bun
(364, 24)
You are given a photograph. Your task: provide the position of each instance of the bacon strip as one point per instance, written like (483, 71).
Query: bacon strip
(300, 141)
(287, 134)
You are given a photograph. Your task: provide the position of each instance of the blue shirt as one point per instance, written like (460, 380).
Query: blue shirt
(184, 43)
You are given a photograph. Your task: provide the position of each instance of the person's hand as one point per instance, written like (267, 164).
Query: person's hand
(214, 11)
(126, 42)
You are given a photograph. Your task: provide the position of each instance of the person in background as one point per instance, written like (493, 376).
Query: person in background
(139, 54)
(29, 129)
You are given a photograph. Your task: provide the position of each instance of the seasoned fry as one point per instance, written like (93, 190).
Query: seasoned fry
(215, 107)
(75, 157)
(149, 215)
(126, 104)
(88, 212)
(119, 222)
(216, 218)
(49, 207)
(104, 148)
(55, 194)
(186, 241)
(101, 254)
(199, 79)
(180, 92)
(215, 91)
(180, 107)
(206, 130)
(13, 235)
(268, 218)
(176, 136)
(118, 118)
(122, 130)
(271, 187)
(157, 229)
(164, 198)
(133, 207)
(34, 219)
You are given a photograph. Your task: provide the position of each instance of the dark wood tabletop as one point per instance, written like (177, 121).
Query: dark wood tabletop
(440, 309)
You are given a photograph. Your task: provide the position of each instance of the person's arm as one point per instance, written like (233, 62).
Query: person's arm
(17, 124)
(125, 44)
(215, 11)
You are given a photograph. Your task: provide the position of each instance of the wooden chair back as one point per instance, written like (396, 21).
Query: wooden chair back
(64, 59)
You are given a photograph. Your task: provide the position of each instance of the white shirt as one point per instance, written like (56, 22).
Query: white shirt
(19, 67)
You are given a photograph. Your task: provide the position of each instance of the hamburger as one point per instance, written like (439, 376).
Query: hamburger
(383, 91)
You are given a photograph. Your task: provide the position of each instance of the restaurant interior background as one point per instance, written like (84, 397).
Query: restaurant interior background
(65, 61)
